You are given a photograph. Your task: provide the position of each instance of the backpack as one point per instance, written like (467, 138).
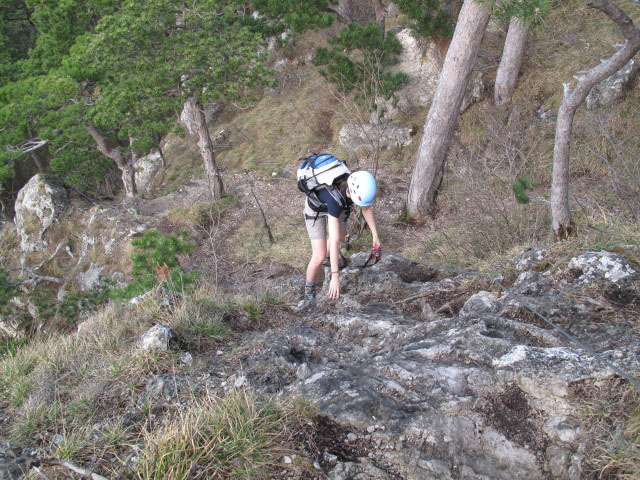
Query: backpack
(322, 171)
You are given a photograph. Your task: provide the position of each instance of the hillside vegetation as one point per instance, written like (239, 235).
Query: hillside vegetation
(229, 396)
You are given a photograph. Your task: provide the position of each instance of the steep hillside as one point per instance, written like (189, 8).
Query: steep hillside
(418, 370)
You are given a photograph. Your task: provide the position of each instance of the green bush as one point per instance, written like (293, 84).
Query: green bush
(155, 262)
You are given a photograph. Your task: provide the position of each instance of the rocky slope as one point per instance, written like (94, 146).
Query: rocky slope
(481, 391)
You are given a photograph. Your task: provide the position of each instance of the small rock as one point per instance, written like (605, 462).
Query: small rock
(303, 371)
(351, 437)
(240, 381)
(158, 337)
(186, 358)
(219, 352)
(371, 429)
(287, 460)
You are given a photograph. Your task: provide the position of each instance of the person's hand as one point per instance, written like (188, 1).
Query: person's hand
(334, 287)
(376, 243)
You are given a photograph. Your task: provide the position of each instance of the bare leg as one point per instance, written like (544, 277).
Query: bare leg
(319, 249)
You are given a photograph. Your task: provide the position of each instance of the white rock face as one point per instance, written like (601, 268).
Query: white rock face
(147, 170)
(613, 88)
(603, 266)
(90, 278)
(422, 61)
(354, 136)
(158, 337)
(38, 205)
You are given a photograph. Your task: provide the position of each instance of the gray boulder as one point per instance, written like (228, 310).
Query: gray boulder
(360, 11)
(148, 171)
(353, 136)
(476, 91)
(37, 207)
(613, 88)
(422, 61)
(159, 337)
(604, 267)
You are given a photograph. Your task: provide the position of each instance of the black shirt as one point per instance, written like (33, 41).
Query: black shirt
(333, 206)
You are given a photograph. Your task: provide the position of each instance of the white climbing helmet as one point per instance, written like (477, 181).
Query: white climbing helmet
(362, 188)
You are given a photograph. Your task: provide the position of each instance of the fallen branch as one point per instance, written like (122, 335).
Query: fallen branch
(82, 471)
(264, 217)
(411, 299)
(41, 473)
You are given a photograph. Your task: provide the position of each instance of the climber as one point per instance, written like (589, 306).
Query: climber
(331, 191)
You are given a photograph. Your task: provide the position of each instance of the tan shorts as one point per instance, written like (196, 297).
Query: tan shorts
(318, 228)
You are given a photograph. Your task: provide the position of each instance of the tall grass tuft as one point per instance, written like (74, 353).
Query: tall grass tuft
(232, 437)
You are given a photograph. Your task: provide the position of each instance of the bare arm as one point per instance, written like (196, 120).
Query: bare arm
(367, 213)
(334, 254)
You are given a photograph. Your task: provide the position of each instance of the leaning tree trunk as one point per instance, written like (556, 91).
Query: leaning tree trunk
(207, 151)
(124, 163)
(511, 61)
(572, 99)
(443, 115)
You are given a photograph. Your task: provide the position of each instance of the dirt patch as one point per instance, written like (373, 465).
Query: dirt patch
(413, 272)
(509, 413)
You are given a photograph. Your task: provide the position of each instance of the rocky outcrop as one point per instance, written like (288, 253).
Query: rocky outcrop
(361, 11)
(422, 61)
(370, 136)
(613, 88)
(38, 205)
(476, 91)
(471, 385)
(148, 172)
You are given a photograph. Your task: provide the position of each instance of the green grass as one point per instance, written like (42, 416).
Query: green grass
(237, 436)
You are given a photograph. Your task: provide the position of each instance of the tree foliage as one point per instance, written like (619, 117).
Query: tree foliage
(429, 17)
(358, 60)
(530, 12)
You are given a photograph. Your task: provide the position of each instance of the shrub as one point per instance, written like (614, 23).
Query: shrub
(155, 262)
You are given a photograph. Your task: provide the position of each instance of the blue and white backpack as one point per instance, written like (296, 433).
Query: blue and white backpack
(322, 171)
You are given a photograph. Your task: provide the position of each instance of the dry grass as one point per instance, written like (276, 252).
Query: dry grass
(282, 127)
(86, 390)
(611, 411)
(233, 437)
(291, 245)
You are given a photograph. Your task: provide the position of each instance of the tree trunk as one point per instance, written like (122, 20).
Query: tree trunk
(214, 178)
(572, 99)
(380, 11)
(443, 115)
(124, 163)
(512, 56)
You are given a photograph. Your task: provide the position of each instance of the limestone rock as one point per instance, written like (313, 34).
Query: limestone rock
(367, 136)
(476, 90)
(422, 61)
(485, 393)
(89, 278)
(613, 88)
(147, 172)
(480, 304)
(38, 205)
(159, 337)
(603, 266)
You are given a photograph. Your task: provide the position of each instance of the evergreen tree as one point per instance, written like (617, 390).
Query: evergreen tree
(429, 18)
